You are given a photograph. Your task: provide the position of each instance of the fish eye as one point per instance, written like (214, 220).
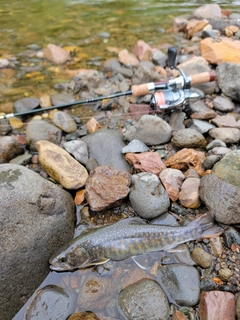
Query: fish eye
(63, 259)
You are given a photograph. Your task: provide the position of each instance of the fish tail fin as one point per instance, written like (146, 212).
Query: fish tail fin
(208, 227)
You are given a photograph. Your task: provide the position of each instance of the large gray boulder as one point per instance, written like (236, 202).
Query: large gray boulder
(36, 218)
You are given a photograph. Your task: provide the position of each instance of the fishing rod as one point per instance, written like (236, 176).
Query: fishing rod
(168, 94)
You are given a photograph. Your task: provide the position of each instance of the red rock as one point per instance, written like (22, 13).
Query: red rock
(142, 49)
(223, 50)
(56, 54)
(226, 121)
(128, 58)
(20, 138)
(146, 162)
(187, 159)
(172, 181)
(106, 187)
(79, 197)
(217, 305)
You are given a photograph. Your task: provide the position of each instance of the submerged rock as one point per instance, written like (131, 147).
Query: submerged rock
(144, 299)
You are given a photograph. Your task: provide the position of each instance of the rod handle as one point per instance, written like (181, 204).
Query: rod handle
(202, 77)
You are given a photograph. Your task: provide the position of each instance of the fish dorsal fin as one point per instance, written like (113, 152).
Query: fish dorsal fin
(132, 220)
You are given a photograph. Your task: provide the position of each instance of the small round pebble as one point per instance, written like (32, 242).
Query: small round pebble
(201, 257)
(225, 274)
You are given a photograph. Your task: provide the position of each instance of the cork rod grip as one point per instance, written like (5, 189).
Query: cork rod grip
(140, 90)
(203, 77)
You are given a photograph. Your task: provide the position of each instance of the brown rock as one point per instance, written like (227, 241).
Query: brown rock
(216, 245)
(106, 187)
(172, 180)
(85, 315)
(195, 26)
(178, 315)
(61, 166)
(230, 30)
(216, 305)
(146, 162)
(189, 194)
(224, 50)
(201, 257)
(93, 125)
(56, 54)
(187, 159)
(45, 101)
(127, 58)
(201, 111)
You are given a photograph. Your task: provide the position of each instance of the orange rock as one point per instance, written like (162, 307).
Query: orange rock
(222, 49)
(146, 162)
(178, 315)
(93, 125)
(127, 58)
(187, 159)
(195, 26)
(216, 305)
(79, 197)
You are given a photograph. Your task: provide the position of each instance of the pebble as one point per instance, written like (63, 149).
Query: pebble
(45, 101)
(144, 299)
(22, 159)
(201, 111)
(188, 138)
(15, 123)
(227, 135)
(189, 193)
(78, 149)
(116, 187)
(201, 257)
(182, 283)
(230, 236)
(228, 168)
(146, 162)
(84, 315)
(215, 143)
(185, 159)
(10, 148)
(135, 146)
(56, 54)
(172, 180)
(215, 305)
(225, 274)
(25, 104)
(51, 302)
(223, 104)
(221, 198)
(202, 126)
(142, 130)
(61, 166)
(127, 58)
(226, 121)
(146, 188)
(209, 161)
(64, 121)
(220, 151)
(41, 130)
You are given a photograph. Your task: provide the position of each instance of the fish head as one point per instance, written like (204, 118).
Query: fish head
(70, 259)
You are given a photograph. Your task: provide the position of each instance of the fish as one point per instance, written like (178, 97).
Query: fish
(128, 238)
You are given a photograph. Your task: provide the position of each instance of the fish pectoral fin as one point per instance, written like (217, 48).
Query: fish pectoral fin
(212, 232)
(97, 262)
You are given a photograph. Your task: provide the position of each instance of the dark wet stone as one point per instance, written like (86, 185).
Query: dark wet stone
(182, 283)
(207, 285)
(50, 302)
(144, 299)
(209, 161)
(135, 146)
(105, 145)
(42, 130)
(25, 104)
(230, 236)
(9, 149)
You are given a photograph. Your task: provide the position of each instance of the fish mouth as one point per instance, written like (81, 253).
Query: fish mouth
(58, 268)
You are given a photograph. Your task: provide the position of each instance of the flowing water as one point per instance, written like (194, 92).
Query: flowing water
(94, 27)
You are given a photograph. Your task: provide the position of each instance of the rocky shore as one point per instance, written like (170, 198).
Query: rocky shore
(120, 161)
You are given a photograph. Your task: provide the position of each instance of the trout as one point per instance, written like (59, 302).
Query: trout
(128, 238)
